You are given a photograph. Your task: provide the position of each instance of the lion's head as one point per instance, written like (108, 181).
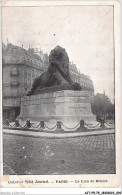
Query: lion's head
(58, 58)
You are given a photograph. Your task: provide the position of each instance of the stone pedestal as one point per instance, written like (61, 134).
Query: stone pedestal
(66, 106)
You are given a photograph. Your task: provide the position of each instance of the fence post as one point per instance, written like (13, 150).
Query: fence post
(16, 123)
(42, 125)
(59, 128)
(28, 124)
(82, 127)
(102, 125)
(7, 122)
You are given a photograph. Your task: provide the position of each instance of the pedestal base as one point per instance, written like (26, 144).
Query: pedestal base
(66, 106)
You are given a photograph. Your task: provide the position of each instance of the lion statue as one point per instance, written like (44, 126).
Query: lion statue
(57, 74)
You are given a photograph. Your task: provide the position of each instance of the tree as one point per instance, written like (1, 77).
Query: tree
(103, 107)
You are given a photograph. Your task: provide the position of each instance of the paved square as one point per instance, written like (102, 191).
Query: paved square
(40, 156)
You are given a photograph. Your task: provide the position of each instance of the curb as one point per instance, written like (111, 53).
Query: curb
(55, 135)
(53, 131)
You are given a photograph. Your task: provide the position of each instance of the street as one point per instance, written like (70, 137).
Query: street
(44, 156)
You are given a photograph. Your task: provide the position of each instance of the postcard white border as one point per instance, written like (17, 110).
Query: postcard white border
(113, 179)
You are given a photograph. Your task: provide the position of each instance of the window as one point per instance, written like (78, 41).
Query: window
(29, 76)
(14, 71)
(25, 75)
(14, 51)
(14, 90)
(14, 83)
(23, 59)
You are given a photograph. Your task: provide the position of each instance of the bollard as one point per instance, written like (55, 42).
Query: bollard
(102, 125)
(82, 127)
(17, 123)
(28, 124)
(42, 125)
(59, 128)
(7, 122)
(82, 123)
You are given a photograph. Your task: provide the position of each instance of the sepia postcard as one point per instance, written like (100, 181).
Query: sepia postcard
(60, 94)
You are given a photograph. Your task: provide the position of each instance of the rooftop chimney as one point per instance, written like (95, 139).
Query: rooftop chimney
(7, 41)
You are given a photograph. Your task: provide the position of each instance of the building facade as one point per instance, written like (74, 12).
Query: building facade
(20, 67)
(84, 80)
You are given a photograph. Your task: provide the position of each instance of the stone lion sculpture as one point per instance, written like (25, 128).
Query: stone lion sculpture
(57, 74)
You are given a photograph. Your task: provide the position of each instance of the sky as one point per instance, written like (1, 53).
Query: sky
(86, 32)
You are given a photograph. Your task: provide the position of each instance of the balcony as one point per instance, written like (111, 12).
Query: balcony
(14, 71)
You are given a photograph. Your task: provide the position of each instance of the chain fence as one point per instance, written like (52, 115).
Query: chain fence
(35, 126)
(41, 125)
(70, 127)
(49, 127)
(91, 126)
(109, 124)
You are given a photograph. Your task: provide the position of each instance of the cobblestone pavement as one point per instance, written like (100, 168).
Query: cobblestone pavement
(42, 156)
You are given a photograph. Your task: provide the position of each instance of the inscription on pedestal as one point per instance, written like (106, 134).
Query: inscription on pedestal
(68, 105)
